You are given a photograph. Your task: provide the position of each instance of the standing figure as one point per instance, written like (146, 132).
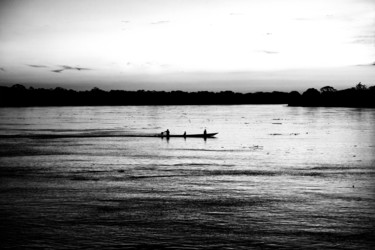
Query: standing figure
(167, 132)
(185, 134)
(205, 133)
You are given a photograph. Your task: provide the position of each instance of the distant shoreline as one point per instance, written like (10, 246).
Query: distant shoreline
(20, 96)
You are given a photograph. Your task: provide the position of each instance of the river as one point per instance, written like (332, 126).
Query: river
(275, 177)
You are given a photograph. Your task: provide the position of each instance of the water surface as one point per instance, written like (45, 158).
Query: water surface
(275, 177)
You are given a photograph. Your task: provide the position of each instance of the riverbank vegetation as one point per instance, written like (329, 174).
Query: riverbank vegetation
(20, 96)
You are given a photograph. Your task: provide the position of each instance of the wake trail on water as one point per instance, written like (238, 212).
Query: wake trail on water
(75, 135)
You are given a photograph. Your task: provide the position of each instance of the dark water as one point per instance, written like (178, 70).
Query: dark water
(275, 177)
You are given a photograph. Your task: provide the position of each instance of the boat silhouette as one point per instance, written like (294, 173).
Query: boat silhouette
(208, 135)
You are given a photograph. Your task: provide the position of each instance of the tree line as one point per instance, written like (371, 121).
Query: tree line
(20, 96)
(358, 96)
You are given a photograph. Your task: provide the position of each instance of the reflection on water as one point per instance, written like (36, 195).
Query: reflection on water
(275, 177)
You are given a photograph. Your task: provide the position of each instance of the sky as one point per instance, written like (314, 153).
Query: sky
(190, 45)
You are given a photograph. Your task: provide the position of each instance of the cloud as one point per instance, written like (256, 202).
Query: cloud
(2, 69)
(57, 70)
(37, 66)
(67, 67)
(370, 64)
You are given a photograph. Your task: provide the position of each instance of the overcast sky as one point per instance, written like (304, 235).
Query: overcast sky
(188, 44)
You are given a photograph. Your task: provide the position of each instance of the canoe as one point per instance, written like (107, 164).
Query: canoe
(208, 135)
(95, 135)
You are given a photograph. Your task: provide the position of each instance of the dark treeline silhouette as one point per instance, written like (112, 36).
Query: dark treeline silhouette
(358, 96)
(18, 96)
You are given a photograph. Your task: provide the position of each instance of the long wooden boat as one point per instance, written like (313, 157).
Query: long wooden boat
(88, 135)
(208, 135)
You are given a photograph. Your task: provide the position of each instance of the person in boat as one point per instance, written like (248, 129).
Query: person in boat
(162, 134)
(205, 133)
